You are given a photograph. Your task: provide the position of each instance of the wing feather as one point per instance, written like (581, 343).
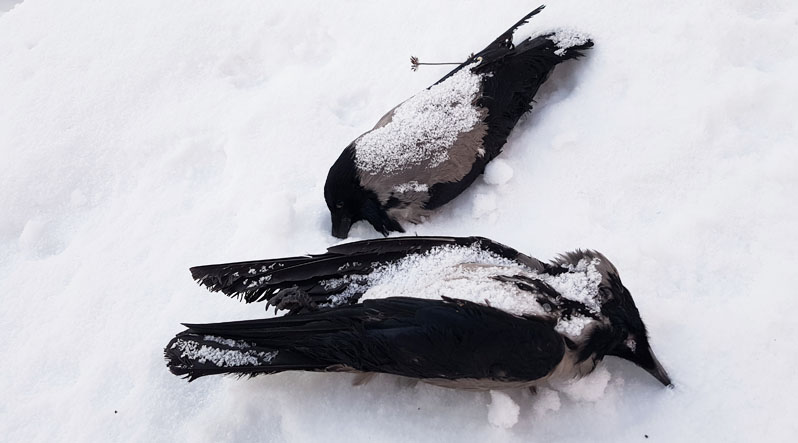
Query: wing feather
(300, 284)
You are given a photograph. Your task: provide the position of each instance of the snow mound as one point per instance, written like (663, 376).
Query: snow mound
(503, 411)
(498, 172)
(546, 400)
(590, 388)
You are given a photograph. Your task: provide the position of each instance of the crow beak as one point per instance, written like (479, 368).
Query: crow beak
(654, 367)
(341, 225)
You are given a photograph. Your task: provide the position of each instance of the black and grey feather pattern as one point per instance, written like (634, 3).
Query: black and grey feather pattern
(464, 312)
(428, 149)
(296, 283)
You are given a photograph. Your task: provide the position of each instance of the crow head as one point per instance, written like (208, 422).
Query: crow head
(350, 202)
(620, 331)
(632, 338)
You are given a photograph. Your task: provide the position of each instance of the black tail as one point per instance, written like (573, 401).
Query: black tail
(194, 355)
(506, 39)
(566, 42)
(516, 72)
(255, 347)
(330, 340)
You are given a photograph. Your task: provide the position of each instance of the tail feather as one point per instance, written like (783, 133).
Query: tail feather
(506, 39)
(263, 346)
(570, 44)
(516, 76)
(195, 355)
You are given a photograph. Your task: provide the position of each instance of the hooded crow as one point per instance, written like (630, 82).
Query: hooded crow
(466, 313)
(430, 148)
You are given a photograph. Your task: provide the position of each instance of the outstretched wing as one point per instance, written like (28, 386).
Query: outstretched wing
(427, 339)
(300, 284)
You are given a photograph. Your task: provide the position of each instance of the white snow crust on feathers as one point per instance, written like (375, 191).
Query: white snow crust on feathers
(138, 139)
(423, 128)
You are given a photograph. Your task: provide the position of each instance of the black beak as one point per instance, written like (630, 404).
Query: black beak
(341, 225)
(650, 363)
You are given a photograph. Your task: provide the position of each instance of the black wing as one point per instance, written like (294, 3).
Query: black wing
(496, 48)
(440, 339)
(515, 73)
(295, 283)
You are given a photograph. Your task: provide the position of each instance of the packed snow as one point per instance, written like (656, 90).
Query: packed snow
(586, 389)
(498, 172)
(423, 128)
(546, 400)
(138, 139)
(503, 411)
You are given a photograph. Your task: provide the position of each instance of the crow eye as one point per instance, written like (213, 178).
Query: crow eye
(339, 205)
(631, 344)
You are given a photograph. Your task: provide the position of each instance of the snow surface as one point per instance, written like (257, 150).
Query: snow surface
(7, 5)
(140, 138)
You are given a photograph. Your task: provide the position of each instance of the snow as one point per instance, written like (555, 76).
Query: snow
(411, 186)
(502, 410)
(462, 272)
(7, 5)
(546, 400)
(467, 273)
(224, 358)
(498, 172)
(572, 326)
(587, 389)
(423, 128)
(140, 138)
(580, 283)
(484, 206)
(568, 38)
